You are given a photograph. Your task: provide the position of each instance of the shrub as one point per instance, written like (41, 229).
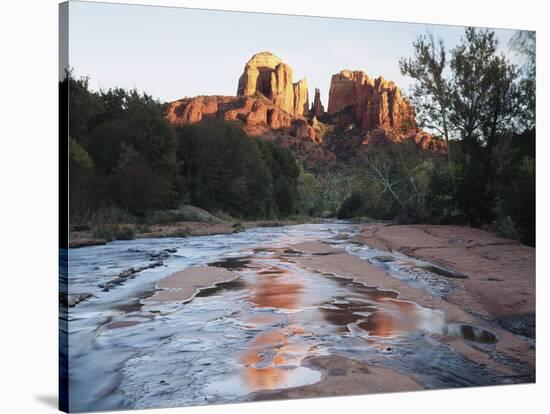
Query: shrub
(114, 232)
(351, 206)
(505, 227)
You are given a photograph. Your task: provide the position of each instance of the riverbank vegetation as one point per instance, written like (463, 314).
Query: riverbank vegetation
(484, 107)
(128, 165)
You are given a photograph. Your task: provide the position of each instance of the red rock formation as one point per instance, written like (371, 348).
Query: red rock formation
(370, 103)
(342, 93)
(258, 114)
(301, 128)
(301, 98)
(317, 109)
(427, 142)
(257, 75)
(267, 101)
(190, 110)
(269, 76)
(378, 108)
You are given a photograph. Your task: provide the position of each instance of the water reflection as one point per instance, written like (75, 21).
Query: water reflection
(271, 358)
(252, 333)
(274, 288)
(289, 300)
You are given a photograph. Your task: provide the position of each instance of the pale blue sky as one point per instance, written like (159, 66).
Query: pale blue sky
(175, 52)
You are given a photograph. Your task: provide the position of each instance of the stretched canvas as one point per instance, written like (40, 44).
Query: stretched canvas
(259, 207)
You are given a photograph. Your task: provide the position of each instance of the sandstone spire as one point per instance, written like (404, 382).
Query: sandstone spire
(317, 109)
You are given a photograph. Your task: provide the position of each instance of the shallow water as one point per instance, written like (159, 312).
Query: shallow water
(246, 335)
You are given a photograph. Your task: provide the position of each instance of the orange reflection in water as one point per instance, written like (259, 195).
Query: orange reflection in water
(273, 287)
(270, 375)
(393, 317)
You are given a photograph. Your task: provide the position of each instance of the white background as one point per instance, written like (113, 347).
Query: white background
(28, 219)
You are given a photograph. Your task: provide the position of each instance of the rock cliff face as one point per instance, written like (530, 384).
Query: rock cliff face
(356, 98)
(258, 114)
(269, 76)
(301, 98)
(267, 99)
(270, 104)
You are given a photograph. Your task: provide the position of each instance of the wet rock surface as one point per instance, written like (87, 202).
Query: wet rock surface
(72, 300)
(156, 257)
(524, 325)
(501, 272)
(275, 313)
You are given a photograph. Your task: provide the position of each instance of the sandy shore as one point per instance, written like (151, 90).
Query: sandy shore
(498, 286)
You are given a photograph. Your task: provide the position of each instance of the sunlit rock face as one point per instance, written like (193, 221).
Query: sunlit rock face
(257, 75)
(191, 110)
(378, 107)
(258, 114)
(370, 103)
(267, 99)
(301, 98)
(269, 102)
(268, 75)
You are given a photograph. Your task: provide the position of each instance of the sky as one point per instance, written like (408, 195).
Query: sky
(171, 53)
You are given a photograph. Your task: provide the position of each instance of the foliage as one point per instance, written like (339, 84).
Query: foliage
(524, 43)
(396, 178)
(114, 232)
(395, 181)
(484, 90)
(487, 106)
(431, 91)
(352, 206)
(128, 164)
(227, 170)
(309, 194)
(121, 152)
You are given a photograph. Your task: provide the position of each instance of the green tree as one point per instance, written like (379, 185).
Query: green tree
(483, 90)
(137, 187)
(486, 101)
(225, 169)
(524, 44)
(309, 194)
(430, 92)
(396, 180)
(107, 127)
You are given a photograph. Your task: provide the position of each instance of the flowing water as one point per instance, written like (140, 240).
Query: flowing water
(251, 333)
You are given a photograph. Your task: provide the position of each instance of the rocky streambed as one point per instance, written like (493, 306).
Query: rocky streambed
(287, 312)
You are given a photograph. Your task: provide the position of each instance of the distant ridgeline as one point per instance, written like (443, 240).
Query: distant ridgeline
(269, 103)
